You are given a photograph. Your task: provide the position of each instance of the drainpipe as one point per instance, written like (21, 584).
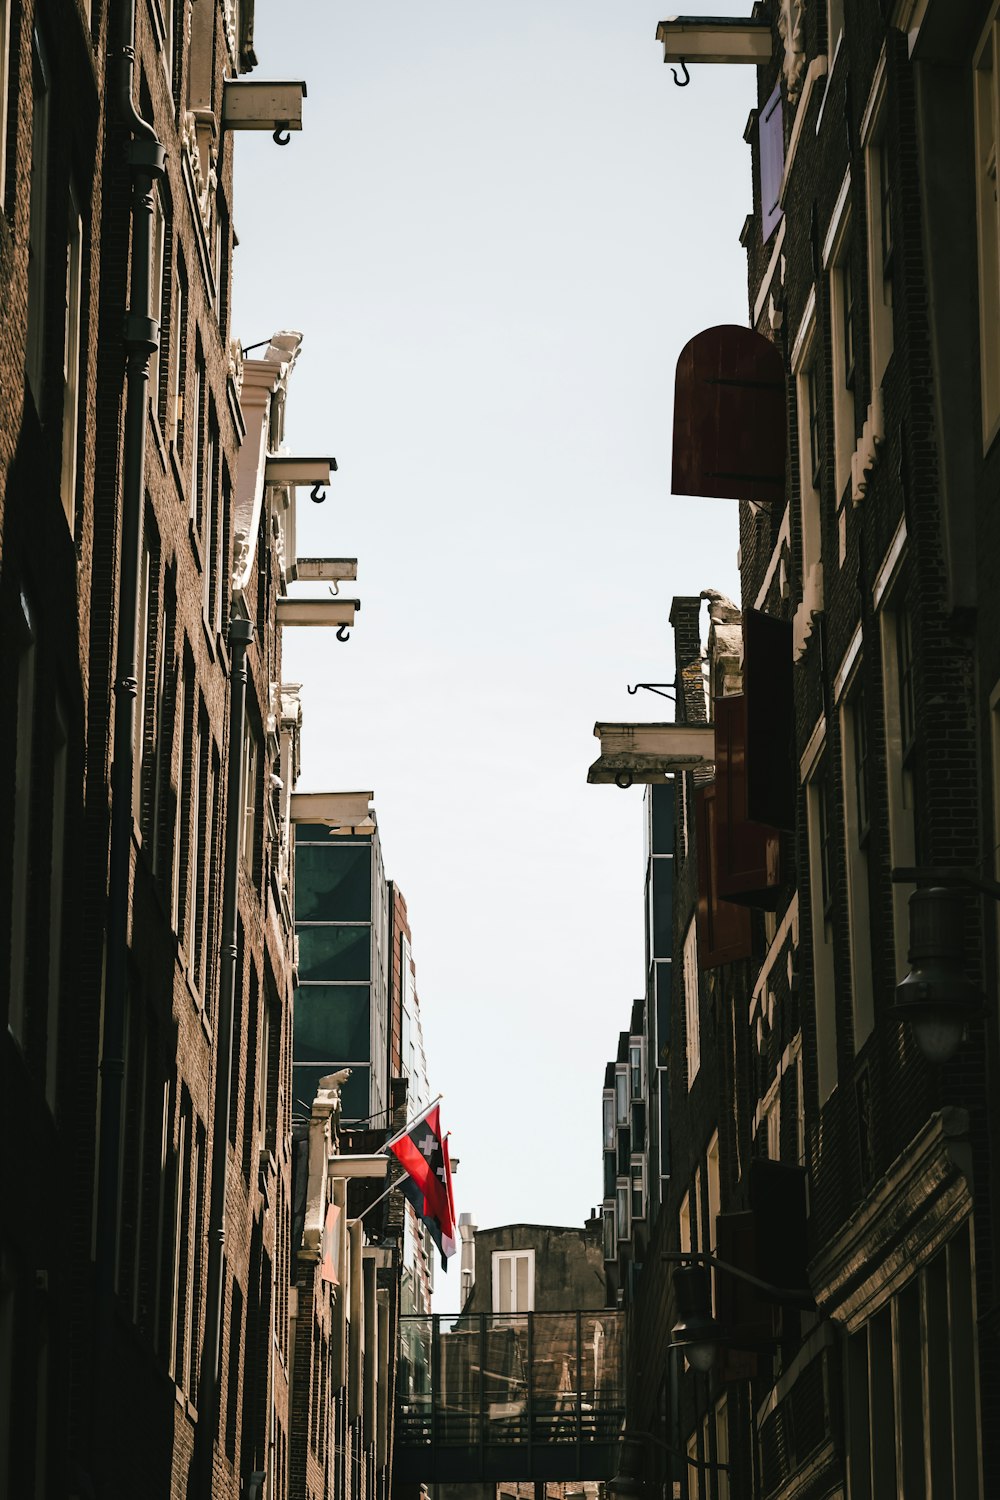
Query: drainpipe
(146, 158)
(241, 634)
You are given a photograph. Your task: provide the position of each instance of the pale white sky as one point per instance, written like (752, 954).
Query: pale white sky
(496, 231)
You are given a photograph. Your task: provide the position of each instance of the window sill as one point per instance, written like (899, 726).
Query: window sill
(161, 447)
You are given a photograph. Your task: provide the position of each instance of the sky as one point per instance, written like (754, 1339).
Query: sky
(496, 231)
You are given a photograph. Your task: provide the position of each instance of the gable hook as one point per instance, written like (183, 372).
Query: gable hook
(317, 494)
(682, 83)
(283, 135)
(343, 634)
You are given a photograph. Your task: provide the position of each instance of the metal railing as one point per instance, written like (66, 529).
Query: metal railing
(526, 1396)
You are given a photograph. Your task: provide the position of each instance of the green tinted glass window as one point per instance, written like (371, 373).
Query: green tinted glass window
(335, 953)
(332, 1024)
(333, 883)
(353, 1095)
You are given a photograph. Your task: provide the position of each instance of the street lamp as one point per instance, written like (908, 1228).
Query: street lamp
(935, 996)
(628, 1483)
(696, 1331)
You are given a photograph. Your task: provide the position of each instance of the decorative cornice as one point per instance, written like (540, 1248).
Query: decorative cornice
(905, 1219)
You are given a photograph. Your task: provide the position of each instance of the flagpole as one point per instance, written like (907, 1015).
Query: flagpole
(410, 1124)
(376, 1201)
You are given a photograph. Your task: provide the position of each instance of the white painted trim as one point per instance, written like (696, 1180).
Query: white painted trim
(829, 74)
(789, 925)
(765, 285)
(876, 96)
(804, 337)
(512, 1254)
(784, 538)
(816, 70)
(846, 668)
(813, 750)
(890, 564)
(839, 220)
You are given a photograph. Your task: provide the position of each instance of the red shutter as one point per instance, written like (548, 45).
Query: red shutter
(772, 774)
(747, 861)
(724, 930)
(729, 417)
(771, 147)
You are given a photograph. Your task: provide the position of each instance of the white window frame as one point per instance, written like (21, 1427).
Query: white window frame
(248, 820)
(37, 221)
(692, 1007)
(986, 87)
(5, 6)
(899, 784)
(60, 768)
(713, 1178)
(879, 286)
(684, 1224)
(504, 1262)
(824, 982)
(158, 242)
(859, 918)
(21, 842)
(805, 360)
(836, 249)
(71, 359)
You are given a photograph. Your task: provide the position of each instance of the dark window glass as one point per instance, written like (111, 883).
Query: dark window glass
(812, 387)
(847, 286)
(353, 1094)
(638, 1207)
(885, 203)
(907, 709)
(861, 768)
(662, 908)
(624, 1150)
(333, 883)
(335, 953)
(332, 1023)
(825, 852)
(663, 819)
(638, 1126)
(609, 1174)
(664, 991)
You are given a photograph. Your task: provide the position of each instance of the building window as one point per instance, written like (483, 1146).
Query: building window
(684, 1224)
(805, 363)
(56, 875)
(608, 1228)
(691, 1005)
(211, 523)
(177, 354)
(193, 432)
(37, 215)
(638, 1177)
(141, 654)
(71, 360)
(5, 6)
(842, 330)
(24, 736)
(714, 1181)
(251, 776)
(854, 740)
(880, 245)
(157, 255)
(621, 1096)
(513, 1281)
(987, 107)
(623, 1227)
(609, 1121)
(635, 1069)
(897, 678)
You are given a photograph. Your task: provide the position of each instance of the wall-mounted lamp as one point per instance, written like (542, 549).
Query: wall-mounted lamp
(628, 1482)
(696, 1332)
(935, 996)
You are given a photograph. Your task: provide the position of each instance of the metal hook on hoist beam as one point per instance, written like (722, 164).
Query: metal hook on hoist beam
(317, 494)
(343, 634)
(682, 83)
(282, 136)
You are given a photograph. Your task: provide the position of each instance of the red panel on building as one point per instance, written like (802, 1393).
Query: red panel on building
(729, 417)
(724, 931)
(746, 853)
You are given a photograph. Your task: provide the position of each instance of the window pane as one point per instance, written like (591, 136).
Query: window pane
(335, 953)
(332, 1023)
(521, 1304)
(333, 882)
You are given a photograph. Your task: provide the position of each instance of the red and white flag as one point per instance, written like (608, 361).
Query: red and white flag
(423, 1154)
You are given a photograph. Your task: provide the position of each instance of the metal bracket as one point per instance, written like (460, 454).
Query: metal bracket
(682, 83)
(661, 689)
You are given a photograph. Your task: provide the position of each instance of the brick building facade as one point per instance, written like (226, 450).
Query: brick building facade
(145, 909)
(854, 697)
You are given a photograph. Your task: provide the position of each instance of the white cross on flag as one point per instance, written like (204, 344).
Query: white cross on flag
(423, 1154)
